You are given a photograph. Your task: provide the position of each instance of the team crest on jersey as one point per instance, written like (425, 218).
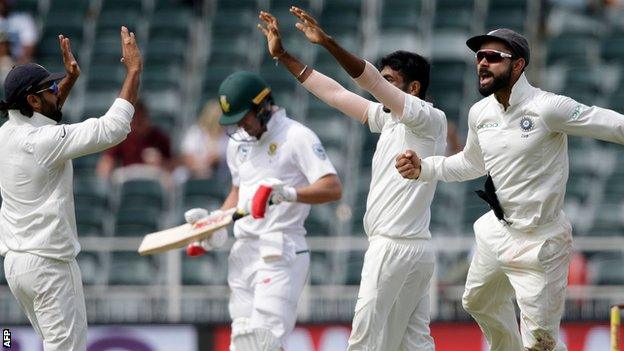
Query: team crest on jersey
(527, 125)
(272, 149)
(243, 152)
(319, 151)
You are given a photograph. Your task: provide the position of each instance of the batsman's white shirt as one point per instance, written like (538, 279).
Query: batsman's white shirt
(37, 214)
(396, 207)
(524, 148)
(288, 151)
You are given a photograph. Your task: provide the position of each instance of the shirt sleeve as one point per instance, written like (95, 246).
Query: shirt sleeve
(310, 156)
(465, 165)
(53, 145)
(336, 96)
(421, 117)
(377, 117)
(565, 115)
(231, 153)
(386, 93)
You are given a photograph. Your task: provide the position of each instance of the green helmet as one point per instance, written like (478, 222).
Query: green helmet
(238, 93)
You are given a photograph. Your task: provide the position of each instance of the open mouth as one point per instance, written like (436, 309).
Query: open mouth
(485, 78)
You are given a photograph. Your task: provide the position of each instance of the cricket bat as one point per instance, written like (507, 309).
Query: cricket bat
(182, 235)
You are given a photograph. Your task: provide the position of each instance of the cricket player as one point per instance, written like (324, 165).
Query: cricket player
(392, 310)
(37, 222)
(517, 135)
(268, 264)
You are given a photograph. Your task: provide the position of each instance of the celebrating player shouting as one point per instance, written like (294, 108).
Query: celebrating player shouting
(518, 136)
(268, 264)
(392, 310)
(37, 222)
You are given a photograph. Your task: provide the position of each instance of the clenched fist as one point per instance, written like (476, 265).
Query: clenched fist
(408, 164)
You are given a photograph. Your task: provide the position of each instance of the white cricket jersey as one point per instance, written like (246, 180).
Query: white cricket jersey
(288, 151)
(397, 207)
(524, 148)
(37, 214)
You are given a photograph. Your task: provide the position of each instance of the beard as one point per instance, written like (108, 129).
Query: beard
(52, 111)
(498, 82)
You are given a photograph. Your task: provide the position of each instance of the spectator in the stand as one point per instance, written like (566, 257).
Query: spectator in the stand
(145, 145)
(204, 144)
(22, 32)
(6, 61)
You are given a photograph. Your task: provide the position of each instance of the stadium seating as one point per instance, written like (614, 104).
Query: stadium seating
(133, 221)
(91, 264)
(128, 268)
(320, 268)
(602, 268)
(90, 221)
(210, 269)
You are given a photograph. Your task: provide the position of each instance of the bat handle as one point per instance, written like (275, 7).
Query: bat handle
(238, 215)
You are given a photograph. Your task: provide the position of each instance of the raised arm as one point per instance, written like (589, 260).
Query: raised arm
(71, 68)
(131, 58)
(565, 115)
(323, 87)
(55, 144)
(364, 73)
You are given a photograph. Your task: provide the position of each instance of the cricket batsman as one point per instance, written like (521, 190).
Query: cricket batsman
(392, 310)
(38, 235)
(518, 136)
(268, 264)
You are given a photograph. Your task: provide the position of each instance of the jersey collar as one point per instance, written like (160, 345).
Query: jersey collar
(274, 123)
(37, 119)
(519, 92)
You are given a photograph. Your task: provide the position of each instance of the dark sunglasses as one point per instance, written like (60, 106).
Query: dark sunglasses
(54, 88)
(492, 56)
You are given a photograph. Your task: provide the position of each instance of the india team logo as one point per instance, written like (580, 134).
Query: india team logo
(526, 124)
(272, 149)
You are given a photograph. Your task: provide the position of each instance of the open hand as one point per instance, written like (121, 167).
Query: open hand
(309, 26)
(408, 164)
(271, 32)
(69, 61)
(131, 55)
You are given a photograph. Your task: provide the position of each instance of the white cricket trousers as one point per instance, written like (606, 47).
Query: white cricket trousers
(392, 309)
(264, 293)
(533, 268)
(50, 294)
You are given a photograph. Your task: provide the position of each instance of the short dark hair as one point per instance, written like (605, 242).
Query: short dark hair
(411, 66)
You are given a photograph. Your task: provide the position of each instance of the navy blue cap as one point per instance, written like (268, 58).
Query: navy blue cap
(516, 42)
(24, 79)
